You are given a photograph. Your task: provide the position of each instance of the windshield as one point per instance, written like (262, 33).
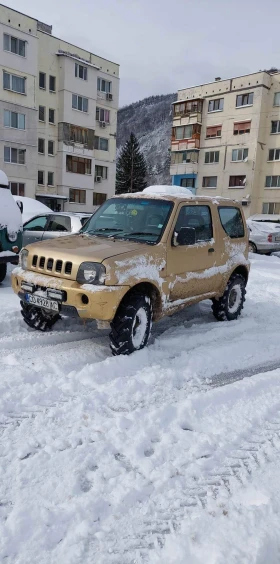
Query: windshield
(136, 219)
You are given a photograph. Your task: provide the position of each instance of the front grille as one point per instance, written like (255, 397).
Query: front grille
(42, 262)
(56, 266)
(68, 268)
(34, 260)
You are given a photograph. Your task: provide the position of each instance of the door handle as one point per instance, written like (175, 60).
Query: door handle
(211, 250)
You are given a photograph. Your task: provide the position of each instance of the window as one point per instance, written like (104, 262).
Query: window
(79, 103)
(241, 127)
(186, 108)
(40, 177)
(50, 178)
(13, 82)
(99, 198)
(275, 127)
(209, 181)
(216, 105)
(101, 171)
(14, 156)
(271, 207)
(101, 143)
(102, 115)
(212, 157)
(36, 224)
(79, 165)
(237, 181)
(272, 182)
(51, 115)
(103, 85)
(178, 157)
(50, 147)
(78, 134)
(14, 45)
(42, 80)
(80, 71)
(52, 83)
(244, 100)
(42, 113)
(274, 155)
(77, 196)
(199, 219)
(187, 182)
(232, 222)
(215, 131)
(276, 101)
(41, 146)
(239, 155)
(59, 223)
(185, 132)
(13, 119)
(17, 188)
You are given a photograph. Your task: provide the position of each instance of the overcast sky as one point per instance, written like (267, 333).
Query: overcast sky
(164, 45)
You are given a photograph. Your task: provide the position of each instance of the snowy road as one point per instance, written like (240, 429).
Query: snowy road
(168, 456)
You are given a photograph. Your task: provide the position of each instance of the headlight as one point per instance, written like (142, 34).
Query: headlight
(12, 236)
(91, 273)
(23, 256)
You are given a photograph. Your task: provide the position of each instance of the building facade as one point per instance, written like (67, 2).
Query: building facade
(58, 116)
(226, 140)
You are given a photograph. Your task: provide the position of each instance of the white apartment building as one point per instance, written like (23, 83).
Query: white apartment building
(226, 140)
(58, 116)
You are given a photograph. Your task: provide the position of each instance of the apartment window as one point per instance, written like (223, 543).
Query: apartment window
(276, 101)
(42, 113)
(185, 132)
(14, 156)
(101, 144)
(99, 198)
(101, 171)
(103, 85)
(50, 147)
(14, 45)
(241, 127)
(51, 115)
(102, 115)
(187, 182)
(42, 80)
(52, 83)
(80, 71)
(237, 181)
(186, 108)
(274, 155)
(50, 178)
(239, 155)
(272, 182)
(79, 165)
(40, 177)
(244, 100)
(212, 157)
(41, 146)
(79, 103)
(216, 105)
(179, 157)
(17, 188)
(271, 207)
(14, 120)
(275, 126)
(77, 196)
(78, 134)
(14, 83)
(209, 181)
(215, 131)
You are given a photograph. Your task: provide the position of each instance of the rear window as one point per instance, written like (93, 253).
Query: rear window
(232, 222)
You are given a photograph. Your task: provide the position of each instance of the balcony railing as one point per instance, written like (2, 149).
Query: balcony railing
(181, 109)
(185, 144)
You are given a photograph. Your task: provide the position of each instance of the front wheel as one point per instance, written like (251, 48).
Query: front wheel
(131, 327)
(230, 305)
(3, 272)
(252, 247)
(37, 318)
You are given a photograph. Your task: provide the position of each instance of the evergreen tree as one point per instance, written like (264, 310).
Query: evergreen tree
(131, 168)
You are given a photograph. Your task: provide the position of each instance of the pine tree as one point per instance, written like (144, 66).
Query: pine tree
(131, 168)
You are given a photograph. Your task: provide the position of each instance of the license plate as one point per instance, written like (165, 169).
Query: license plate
(42, 302)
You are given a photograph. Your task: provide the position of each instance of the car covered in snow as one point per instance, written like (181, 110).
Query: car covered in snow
(30, 207)
(140, 257)
(10, 227)
(264, 236)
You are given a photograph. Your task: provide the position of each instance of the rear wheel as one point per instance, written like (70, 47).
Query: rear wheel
(131, 327)
(252, 247)
(37, 318)
(230, 305)
(3, 272)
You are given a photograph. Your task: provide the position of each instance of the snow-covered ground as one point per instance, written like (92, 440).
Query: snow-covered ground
(169, 456)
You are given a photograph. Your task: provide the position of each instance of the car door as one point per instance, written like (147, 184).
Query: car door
(57, 226)
(33, 229)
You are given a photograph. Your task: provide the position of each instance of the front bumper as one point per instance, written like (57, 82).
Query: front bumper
(103, 301)
(5, 259)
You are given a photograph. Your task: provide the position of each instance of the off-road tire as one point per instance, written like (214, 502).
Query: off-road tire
(252, 247)
(3, 272)
(37, 318)
(221, 308)
(123, 337)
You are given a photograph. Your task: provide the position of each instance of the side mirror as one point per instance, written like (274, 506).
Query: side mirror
(20, 205)
(186, 236)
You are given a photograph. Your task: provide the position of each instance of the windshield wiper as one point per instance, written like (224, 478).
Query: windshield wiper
(102, 229)
(131, 233)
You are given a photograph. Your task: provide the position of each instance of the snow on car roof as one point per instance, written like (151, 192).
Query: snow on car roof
(168, 191)
(173, 192)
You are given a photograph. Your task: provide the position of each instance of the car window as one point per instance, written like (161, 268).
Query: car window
(36, 224)
(232, 222)
(59, 223)
(198, 218)
(84, 220)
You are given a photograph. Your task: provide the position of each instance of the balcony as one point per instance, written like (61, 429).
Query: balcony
(187, 112)
(184, 162)
(186, 144)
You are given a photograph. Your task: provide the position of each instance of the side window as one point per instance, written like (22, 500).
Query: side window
(36, 224)
(197, 218)
(232, 222)
(59, 223)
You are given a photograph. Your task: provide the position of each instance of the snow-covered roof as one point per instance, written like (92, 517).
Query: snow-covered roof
(168, 191)
(10, 216)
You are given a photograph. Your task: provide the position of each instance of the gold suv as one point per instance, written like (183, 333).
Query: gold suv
(138, 258)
